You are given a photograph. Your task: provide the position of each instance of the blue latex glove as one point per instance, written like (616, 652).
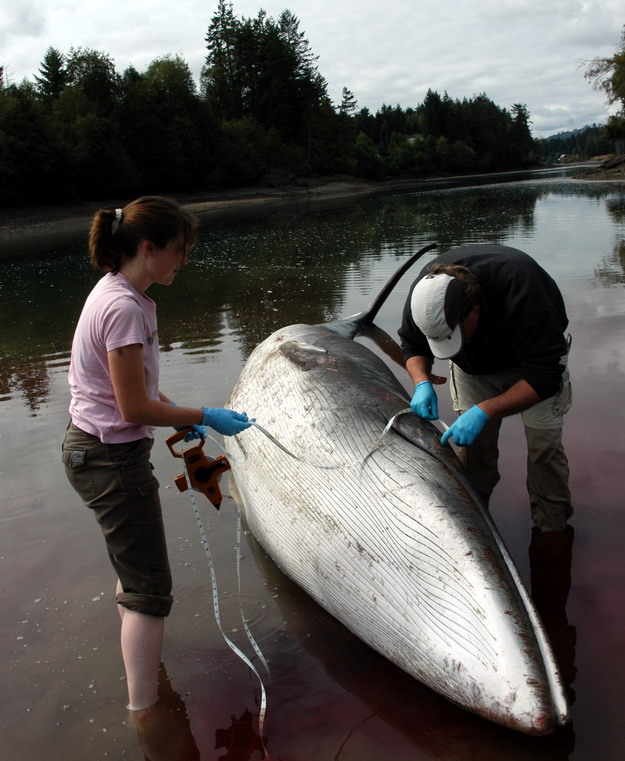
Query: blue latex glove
(467, 427)
(226, 422)
(196, 432)
(424, 402)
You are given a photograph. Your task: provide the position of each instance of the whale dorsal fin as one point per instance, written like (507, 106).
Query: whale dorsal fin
(349, 327)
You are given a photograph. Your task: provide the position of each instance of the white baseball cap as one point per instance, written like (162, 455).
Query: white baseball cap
(436, 305)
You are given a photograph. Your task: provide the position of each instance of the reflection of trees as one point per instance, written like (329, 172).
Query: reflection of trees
(30, 377)
(596, 190)
(611, 271)
(269, 271)
(287, 267)
(252, 273)
(484, 213)
(616, 208)
(40, 300)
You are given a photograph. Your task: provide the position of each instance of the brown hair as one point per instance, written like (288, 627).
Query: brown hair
(115, 234)
(471, 289)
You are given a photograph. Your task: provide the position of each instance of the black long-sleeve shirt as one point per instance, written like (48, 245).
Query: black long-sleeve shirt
(522, 318)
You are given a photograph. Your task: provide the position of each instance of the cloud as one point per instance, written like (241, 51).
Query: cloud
(18, 20)
(514, 51)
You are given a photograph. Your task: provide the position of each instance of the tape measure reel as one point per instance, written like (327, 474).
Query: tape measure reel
(203, 472)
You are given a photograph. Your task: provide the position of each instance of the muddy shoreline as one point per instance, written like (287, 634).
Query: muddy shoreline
(29, 230)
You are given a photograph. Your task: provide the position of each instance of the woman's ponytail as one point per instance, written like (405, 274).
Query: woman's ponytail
(115, 234)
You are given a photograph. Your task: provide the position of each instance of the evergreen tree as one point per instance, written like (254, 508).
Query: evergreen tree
(306, 60)
(167, 132)
(86, 115)
(433, 114)
(487, 128)
(308, 87)
(368, 162)
(521, 141)
(264, 70)
(364, 121)
(312, 85)
(390, 120)
(54, 76)
(220, 75)
(30, 159)
(349, 103)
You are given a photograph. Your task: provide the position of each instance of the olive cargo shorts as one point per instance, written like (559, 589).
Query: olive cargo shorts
(547, 465)
(117, 483)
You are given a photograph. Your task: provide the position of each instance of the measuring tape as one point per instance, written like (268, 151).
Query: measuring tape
(228, 641)
(203, 473)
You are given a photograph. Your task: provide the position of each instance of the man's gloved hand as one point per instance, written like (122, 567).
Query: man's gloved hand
(467, 427)
(424, 402)
(196, 432)
(226, 422)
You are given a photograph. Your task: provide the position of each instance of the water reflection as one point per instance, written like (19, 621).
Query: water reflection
(240, 739)
(164, 732)
(615, 204)
(250, 275)
(28, 378)
(611, 270)
(550, 561)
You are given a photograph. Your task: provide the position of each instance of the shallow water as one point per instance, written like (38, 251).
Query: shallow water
(330, 697)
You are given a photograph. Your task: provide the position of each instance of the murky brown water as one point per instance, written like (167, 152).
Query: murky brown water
(330, 697)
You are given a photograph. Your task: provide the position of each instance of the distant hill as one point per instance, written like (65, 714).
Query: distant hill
(571, 133)
(576, 145)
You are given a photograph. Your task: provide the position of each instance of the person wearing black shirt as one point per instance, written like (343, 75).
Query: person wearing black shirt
(501, 320)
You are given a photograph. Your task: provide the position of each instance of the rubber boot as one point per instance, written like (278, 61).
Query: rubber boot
(550, 558)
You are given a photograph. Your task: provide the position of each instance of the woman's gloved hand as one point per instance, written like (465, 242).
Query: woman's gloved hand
(196, 432)
(467, 427)
(226, 422)
(424, 402)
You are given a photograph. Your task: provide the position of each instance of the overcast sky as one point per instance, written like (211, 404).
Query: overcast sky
(384, 51)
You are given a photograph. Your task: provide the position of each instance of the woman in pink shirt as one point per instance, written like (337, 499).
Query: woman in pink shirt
(115, 406)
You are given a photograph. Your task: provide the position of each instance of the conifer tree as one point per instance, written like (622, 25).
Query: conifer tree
(54, 76)
(349, 104)
(220, 76)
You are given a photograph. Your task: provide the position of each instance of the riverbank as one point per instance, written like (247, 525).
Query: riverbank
(612, 169)
(33, 229)
(29, 229)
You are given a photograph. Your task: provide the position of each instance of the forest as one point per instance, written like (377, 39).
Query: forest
(577, 145)
(260, 113)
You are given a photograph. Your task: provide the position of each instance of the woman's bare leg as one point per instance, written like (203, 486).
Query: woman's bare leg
(142, 643)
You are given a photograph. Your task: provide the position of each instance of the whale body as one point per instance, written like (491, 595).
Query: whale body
(382, 529)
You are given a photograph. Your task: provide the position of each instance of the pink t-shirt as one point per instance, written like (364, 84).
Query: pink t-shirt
(114, 315)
